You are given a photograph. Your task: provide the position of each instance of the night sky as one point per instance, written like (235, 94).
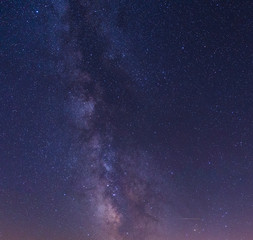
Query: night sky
(123, 119)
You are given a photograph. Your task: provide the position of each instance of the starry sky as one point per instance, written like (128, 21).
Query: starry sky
(126, 119)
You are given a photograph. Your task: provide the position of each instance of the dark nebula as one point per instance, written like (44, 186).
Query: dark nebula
(126, 120)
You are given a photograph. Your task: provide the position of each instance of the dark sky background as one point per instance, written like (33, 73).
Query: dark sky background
(126, 120)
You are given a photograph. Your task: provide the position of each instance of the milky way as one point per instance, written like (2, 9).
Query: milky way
(120, 187)
(126, 120)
